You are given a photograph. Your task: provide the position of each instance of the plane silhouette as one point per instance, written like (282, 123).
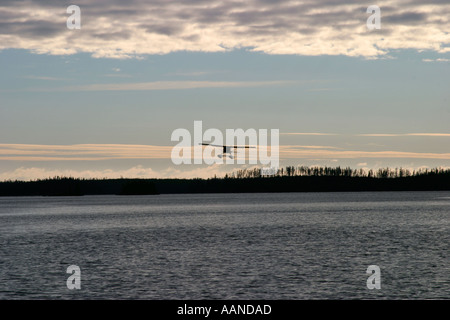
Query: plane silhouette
(226, 150)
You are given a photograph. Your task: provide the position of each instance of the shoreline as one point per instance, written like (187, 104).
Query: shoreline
(81, 187)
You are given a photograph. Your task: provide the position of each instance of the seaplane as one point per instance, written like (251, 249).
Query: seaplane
(226, 150)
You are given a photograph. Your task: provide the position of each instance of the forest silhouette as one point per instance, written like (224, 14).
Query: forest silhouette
(287, 179)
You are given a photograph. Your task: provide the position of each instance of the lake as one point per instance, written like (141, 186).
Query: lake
(227, 246)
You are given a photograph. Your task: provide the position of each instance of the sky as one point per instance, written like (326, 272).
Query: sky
(103, 100)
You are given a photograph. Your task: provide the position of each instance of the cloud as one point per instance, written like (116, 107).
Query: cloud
(380, 135)
(34, 173)
(406, 18)
(168, 85)
(436, 60)
(130, 29)
(96, 152)
(43, 78)
(429, 134)
(289, 152)
(81, 152)
(189, 74)
(370, 134)
(405, 135)
(307, 134)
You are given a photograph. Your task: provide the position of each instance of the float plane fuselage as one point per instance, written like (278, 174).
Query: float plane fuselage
(226, 150)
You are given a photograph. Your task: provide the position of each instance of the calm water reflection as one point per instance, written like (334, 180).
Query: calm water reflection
(227, 246)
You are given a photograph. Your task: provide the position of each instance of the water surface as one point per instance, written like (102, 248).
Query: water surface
(227, 246)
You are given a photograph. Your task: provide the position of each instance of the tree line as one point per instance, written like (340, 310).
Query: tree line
(287, 179)
(316, 171)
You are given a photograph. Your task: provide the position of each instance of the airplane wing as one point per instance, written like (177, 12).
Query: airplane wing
(209, 144)
(240, 147)
(221, 146)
